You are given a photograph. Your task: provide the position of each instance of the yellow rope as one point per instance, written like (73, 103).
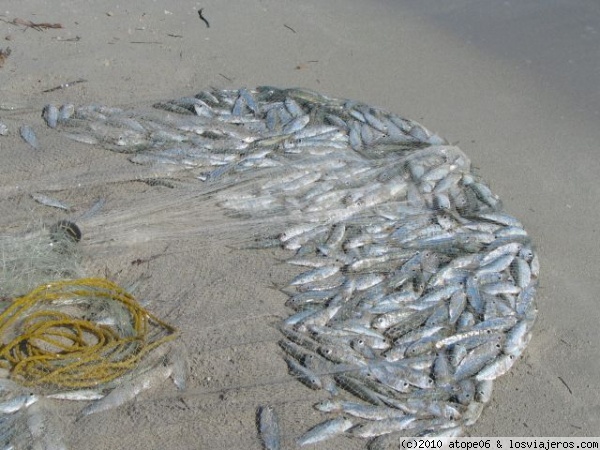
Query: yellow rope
(45, 343)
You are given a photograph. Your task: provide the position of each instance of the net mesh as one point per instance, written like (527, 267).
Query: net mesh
(411, 289)
(79, 333)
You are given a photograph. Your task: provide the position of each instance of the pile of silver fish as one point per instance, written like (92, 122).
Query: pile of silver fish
(417, 290)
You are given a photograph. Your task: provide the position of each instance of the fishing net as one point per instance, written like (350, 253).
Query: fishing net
(37, 256)
(66, 335)
(77, 334)
(415, 292)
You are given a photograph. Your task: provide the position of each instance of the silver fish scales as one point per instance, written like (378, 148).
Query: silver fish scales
(418, 289)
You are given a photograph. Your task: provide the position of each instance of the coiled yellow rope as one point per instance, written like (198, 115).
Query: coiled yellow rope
(52, 337)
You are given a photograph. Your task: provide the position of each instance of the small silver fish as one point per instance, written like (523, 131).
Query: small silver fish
(497, 368)
(318, 274)
(296, 124)
(29, 136)
(483, 391)
(49, 201)
(18, 402)
(178, 359)
(78, 395)
(385, 426)
(65, 112)
(324, 431)
(129, 390)
(50, 115)
(268, 428)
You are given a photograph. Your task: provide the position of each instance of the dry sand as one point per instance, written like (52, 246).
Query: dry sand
(514, 83)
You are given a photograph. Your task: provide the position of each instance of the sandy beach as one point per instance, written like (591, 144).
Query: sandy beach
(513, 84)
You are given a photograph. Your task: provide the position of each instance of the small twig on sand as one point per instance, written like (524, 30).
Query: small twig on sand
(304, 65)
(566, 385)
(65, 85)
(36, 26)
(137, 262)
(202, 18)
(61, 39)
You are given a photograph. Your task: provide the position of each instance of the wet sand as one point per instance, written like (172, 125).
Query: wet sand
(514, 84)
